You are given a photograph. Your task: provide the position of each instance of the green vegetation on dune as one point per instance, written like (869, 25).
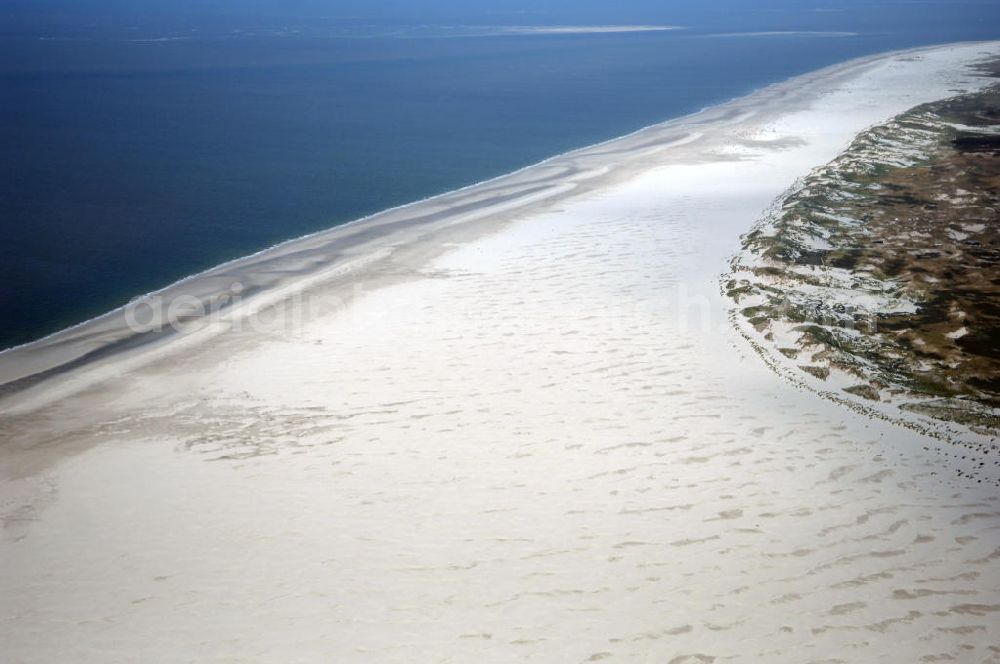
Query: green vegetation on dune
(883, 267)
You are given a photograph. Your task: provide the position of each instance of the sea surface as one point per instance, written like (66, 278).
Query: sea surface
(130, 159)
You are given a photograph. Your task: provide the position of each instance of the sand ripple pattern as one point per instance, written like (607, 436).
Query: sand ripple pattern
(597, 485)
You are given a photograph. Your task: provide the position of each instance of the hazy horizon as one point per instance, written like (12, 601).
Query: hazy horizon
(94, 17)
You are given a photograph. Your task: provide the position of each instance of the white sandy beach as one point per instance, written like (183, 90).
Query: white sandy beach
(516, 424)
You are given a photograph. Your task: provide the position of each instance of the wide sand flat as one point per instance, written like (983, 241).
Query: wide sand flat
(526, 433)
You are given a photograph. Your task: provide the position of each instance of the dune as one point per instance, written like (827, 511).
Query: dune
(513, 422)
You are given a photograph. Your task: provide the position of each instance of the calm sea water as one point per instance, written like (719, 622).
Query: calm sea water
(127, 165)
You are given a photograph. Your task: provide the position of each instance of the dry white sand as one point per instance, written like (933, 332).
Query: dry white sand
(529, 434)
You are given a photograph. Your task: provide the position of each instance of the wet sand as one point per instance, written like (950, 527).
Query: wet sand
(518, 425)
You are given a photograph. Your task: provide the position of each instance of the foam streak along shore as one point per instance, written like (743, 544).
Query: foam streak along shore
(522, 428)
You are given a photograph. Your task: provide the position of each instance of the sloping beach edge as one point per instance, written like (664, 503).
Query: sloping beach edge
(372, 244)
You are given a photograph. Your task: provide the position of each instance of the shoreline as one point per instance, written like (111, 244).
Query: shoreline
(533, 435)
(25, 367)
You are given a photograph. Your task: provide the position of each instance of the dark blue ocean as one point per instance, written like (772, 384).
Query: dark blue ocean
(134, 154)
